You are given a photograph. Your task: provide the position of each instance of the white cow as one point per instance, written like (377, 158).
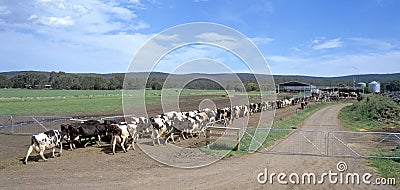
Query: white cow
(46, 140)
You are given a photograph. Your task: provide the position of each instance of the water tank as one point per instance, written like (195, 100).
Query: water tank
(361, 85)
(374, 86)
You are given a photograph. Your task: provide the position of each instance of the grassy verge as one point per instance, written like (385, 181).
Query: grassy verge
(372, 113)
(375, 113)
(273, 135)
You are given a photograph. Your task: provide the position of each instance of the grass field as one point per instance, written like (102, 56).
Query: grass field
(366, 116)
(64, 102)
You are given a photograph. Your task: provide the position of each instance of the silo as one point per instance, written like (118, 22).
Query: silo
(361, 85)
(374, 86)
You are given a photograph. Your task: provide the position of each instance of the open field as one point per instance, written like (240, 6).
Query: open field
(92, 102)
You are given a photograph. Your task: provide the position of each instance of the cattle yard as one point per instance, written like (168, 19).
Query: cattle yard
(289, 114)
(190, 100)
(35, 124)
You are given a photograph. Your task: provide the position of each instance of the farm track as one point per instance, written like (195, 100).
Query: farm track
(100, 170)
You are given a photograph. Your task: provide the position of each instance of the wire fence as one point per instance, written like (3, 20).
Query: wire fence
(364, 144)
(325, 143)
(30, 124)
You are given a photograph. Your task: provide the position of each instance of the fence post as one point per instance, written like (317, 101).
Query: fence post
(237, 148)
(207, 132)
(327, 143)
(12, 124)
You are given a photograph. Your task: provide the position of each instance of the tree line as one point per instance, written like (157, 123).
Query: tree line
(62, 80)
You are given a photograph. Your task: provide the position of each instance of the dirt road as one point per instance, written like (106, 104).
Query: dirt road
(95, 168)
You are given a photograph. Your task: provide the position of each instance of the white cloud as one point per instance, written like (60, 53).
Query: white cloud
(167, 37)
(81, 17)
(278, 58)
(262, 40)
(212, 36)
(333, 43)
(53, 21)
(225, 41)
(4, 11)
(81, 35)
(296, 49)
(123, 13)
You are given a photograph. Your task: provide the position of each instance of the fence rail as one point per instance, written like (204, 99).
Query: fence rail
(314, 142)
(223, 137)
(364, 144)
(30, 124)
(297, 142)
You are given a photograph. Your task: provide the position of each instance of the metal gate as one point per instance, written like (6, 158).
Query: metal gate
(364, 144)
(290, 141)
(333, 143)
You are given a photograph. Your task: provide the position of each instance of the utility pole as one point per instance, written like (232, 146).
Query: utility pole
(354, 79)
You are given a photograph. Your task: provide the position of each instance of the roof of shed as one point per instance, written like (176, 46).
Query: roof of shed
(294, 83)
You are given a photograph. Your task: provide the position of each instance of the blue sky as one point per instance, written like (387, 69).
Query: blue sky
(313, 37)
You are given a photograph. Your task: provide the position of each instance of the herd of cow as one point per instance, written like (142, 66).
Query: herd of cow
(125, 131)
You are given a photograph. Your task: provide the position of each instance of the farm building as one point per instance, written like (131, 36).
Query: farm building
(295, 86)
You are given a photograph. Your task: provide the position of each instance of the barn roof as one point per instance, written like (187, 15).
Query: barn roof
(294, 83)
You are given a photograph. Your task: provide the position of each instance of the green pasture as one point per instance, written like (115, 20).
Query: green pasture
(65, 102)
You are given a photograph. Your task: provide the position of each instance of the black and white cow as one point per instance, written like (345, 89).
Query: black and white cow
(161, 128)
(123, 133)
(46, 140)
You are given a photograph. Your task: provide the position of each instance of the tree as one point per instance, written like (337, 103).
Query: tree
(342, 84)
(239, 87)
(252, 87)
(367, 90)
(156, 85)
(29, 79)
(61, 80)
(116, 82)
(393, 86)
(5, 82)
